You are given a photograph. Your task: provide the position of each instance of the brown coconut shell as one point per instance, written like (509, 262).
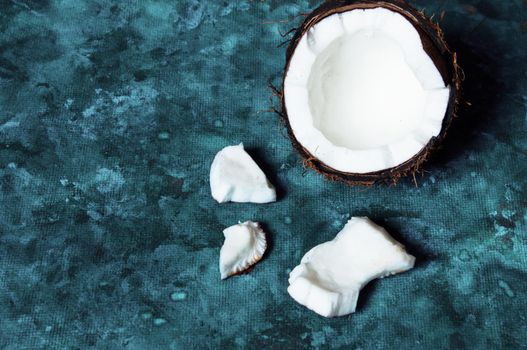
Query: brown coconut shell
(433, 43)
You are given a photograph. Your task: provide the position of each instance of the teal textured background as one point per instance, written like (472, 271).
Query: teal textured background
(110, 115)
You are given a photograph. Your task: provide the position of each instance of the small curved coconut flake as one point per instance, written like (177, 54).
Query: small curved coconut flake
(244, 246)
(331, 275)
(361, 93)
(235, 177)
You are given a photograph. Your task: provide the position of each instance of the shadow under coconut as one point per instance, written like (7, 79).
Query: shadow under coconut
(423, 257)
(365, 295)
(480, 94)
(269, 171)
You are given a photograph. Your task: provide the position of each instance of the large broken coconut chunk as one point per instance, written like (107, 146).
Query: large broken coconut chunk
(235, 177)
(331, 275)
(369, 89)
(244, 246)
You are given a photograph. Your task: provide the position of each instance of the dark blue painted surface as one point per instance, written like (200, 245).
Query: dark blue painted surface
(110, 114)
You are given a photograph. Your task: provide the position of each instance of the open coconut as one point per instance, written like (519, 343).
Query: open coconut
(369, 89)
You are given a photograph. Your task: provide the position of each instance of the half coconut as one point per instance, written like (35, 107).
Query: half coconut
(369, 89)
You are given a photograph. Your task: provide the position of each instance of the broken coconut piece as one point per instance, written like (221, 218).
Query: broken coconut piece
(369, 89)
(244, 246)
(331, 275)
(235, 177)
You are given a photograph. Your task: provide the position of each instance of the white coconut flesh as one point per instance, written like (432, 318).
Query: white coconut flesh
(235, 177)
(361, 93)
(244, 246)
(331, 275)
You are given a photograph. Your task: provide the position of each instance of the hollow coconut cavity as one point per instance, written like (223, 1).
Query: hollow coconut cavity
(369, 89)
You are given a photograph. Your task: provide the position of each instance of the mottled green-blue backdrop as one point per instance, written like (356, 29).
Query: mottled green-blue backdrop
(110, 115)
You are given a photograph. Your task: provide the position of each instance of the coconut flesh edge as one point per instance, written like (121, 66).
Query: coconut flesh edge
(361, 93)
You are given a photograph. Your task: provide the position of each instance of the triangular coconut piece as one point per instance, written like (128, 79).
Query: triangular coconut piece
(331, 275)
(244, 246)
(235, 177)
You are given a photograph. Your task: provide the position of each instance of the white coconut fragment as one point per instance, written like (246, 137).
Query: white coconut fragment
(235, 177)
(331, 275)
(361, 93)
(244, 246)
